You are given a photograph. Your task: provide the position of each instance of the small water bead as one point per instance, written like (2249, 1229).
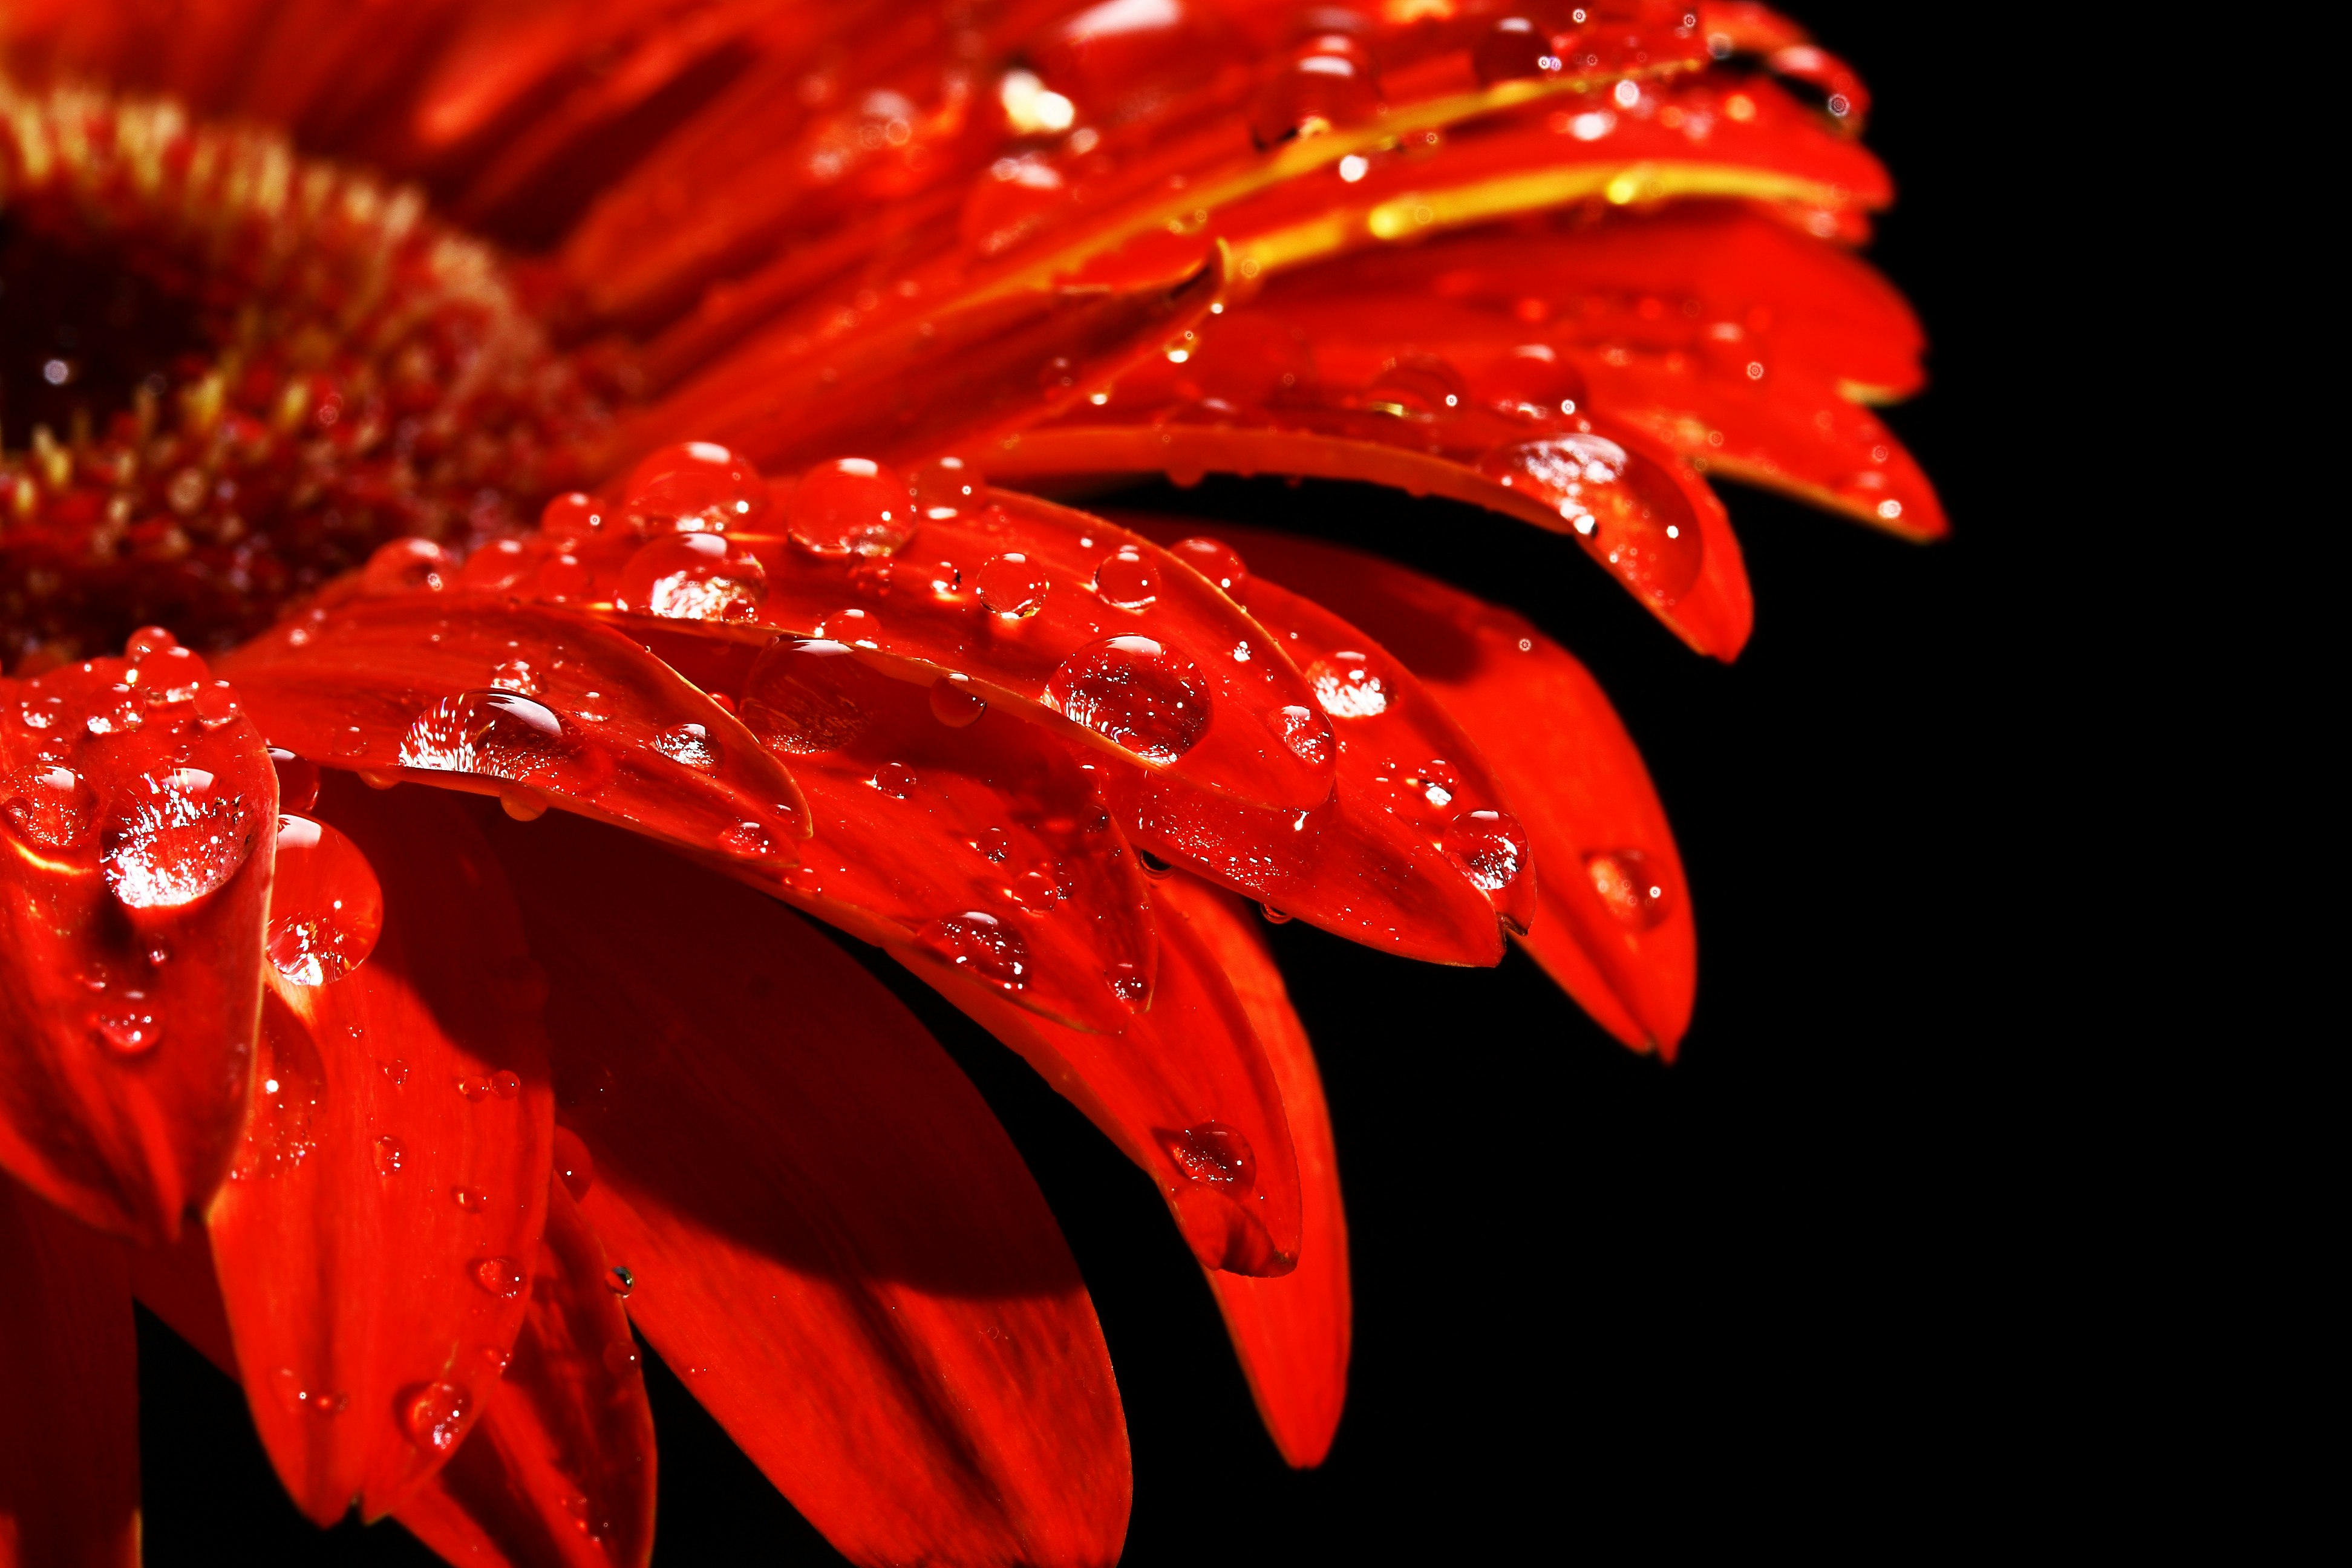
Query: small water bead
(47, 806)
(492, 733)
(1214, 1155)
(689, 746)
(620, 1358)
(1156, 868)
(992, 846)
(1125, 578)
(434, 1415)
(389, 1155)
(1633, 887)
(295, 1395)
(955, 703)
(570, 518)
(149, 641)
(395, 1071)
(1140, 695)
(216, 703)
(473, 1200)
(170, 675)
(1036, 893)
(946, 486)
(982, 945)
(172, 838)
(474, 1087)
(1514, 48)
(500, 564)
(1214, 558)
(507, 1084)
(326, 906)
(563, 576)
(850, 506)
(41, 713)
(1274, 917)
(751, 841)
(695, 486)
(116, 712)
(1328, 83)
(895, 780)
(1127, 983)
(1304, 732)
(501, 1277)
(1489, 846)
(1348, 685)
(127, 1031)
(1533, 382)
(620, 1281)
(298, 779)
(573, 1164)
(409, 566)
(1418, 386)
(693, 578)
(1012, 585)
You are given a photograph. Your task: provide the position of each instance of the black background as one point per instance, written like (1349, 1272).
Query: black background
(1769, 1291)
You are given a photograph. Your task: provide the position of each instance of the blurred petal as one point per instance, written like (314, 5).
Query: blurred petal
(823, 1228)
(375, 1239)
(69, 1386)
(136, 809)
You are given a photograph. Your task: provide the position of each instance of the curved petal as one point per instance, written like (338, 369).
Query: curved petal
(1619, 937)
(822, 1225)
(1292, 1333)
(975, 834)
(1185, 1090)
(531, 702)
(135, 809)
(374, 1241)
(69, 1383)
(560, 1468)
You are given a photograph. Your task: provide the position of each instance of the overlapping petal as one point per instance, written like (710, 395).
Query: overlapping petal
(376, 1238)
(820, 1225)
(136, 809)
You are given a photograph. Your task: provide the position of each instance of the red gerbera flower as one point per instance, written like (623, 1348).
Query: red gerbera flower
(775, 317)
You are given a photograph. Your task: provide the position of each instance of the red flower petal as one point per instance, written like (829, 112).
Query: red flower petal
(825, 1230)
(375, 1241)
(978, 835)
(136, 808)
(530, 703)
(1185, 1090)
(1627, 955)
(1293, 1333)
(70, 1389)
(560, 1468)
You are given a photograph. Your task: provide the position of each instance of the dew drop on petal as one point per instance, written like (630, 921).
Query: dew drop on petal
(1140, 695)
(473, 1200)
(474, 1087)
(751, 841)
(493, 732)
(569, 519)
(1304, 732)
(216, 703)
(895, 780)
(1513, 49)
(1418, 386)
(1012, 585)
(1215, 560)
(409, 566)
(47, 806)
(389, 1155)
(501, 1277)
(946, 486)
(1632, 886)
(131, 1031)
(1274, 917)
(1214, 1155)
(1127, 981)
(326, 906)
(434, 1415)
(695, 486)
(573, 1164)
(620, 1281)
(1127, 579)
(689, 746)
(620, 1358)
(1036, 892)
(1622, 507)
(692, 577)
(982, 945)
(1348, 685)
(1329, 83)
(791, 710)
(1532, 382)
(505, 1083)
(956, 704)
(172, 838)
(298, 779)
(850, 506)
(1489, 847)
(1153, 866)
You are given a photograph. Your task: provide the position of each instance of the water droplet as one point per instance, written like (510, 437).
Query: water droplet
(434, 1415)
(395, 1071)
(851, 506)
(473, 1200)
(1348, 685)
(1153, 866)
(695, 486)
(791, 709)
(115, 712)
(1488, 846)
(1214, 1155)
(956, 704)
(127, 1031)
(41, 713)
(689, 746)
(749, 839)
(1533, 382)
(501, 1277)
(1215, 560)
(1328, 83)
(516, 675)
(1144, 697)
(620, 1358)
(494, 733)
(562, 578)
(389, 1155)
(1418, 386)
(1633, 887)
(1514, 48)
(569, 519)
(980, 944)
(1624, 509)
(1127, 983)
(1126, 579)
(507, 1084)
(1305, 732)
(326, 906)
(619, 1280)
(172, 839)
(574, 1163)
(1036, 892)
(946, 486)
(693, 578)
(287, 1091)
(47, 806)
(409, 566)
(298, 779)
(1012, 585)
(474, 1087)
(1274, 917)
(216, 704)
(895, 779)
(148, 641)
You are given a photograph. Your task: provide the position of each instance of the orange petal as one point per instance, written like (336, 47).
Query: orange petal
(70, 1386)
(375, 1239)
(136, 808)
(823, 1228)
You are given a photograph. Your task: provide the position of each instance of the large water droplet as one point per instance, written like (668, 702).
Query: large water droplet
(287, 1092)
(1214, 1155)
(1327, 84)
(1127, 983)
(1633, 887)
(1036, 892)
(689, 746)
(620, 1281)
(956, 704)
(1215, 560)
(1142, 696)
(851, 506)
(1304, 732)
(390, 1155)
(1349, 684)
(982, 945)
(1489, 847)
(1126, 579)
(127, 1031)
(692, 577)
(495, 733)
(1622, 508)
(298, 779)
(695, 486)
(573, 517)
(172, 839)
(1418, 386)
(326, 908)
(47, 806)
(1012, 585)
(572, 1162)
(791, 709)
(895, 780)
(501, 1277)
(409, 566)
(434, 1415)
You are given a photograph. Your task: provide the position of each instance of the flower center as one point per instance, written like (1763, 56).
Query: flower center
(229, 372)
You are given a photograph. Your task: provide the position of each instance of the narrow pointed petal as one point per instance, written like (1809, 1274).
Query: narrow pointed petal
(1614, 926)
(136, 807)
(69, 1391)
(1292, 1333)
(823, 1228)
(535, 703)
(374, 1241)
(1185, 1090)
(939, 818)
(560, 1468)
